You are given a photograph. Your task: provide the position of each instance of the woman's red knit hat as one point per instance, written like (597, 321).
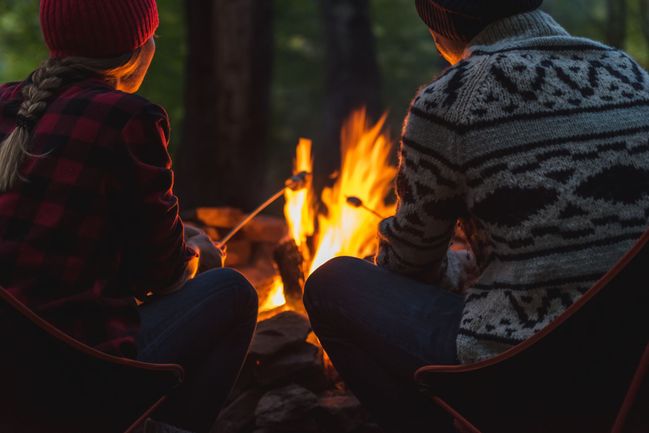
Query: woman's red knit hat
(97, 28)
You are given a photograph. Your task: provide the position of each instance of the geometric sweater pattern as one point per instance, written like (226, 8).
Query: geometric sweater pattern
(539, 141)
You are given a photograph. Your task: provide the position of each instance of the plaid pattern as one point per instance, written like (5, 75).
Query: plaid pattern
(96, 221)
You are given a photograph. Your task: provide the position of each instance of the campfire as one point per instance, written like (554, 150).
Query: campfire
(287, 383)
(344, 221)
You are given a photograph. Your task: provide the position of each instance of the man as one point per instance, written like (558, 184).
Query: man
(536, 140)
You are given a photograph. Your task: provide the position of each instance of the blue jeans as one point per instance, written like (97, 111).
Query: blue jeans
(378, 328)
(206, 327)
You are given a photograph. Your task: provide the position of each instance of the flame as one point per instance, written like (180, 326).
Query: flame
(366, 173)
(342, 229)
(299, 204)
(275, 298)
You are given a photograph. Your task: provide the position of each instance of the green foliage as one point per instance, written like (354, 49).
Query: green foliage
(166, 79)
(406, 55)
(22, 48)
(298, 79)
(21, 43)
(407, 58)
(588, 18)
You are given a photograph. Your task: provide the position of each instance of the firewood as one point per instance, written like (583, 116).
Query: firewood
(290, 263)
(221, 217)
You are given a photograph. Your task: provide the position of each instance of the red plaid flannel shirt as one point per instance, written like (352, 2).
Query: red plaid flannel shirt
(96, 221)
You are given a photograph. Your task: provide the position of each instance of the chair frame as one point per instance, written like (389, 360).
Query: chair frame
(90, 352)
(633, 388)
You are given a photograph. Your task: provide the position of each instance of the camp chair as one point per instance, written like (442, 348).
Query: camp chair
(585, 373)
(51, 383)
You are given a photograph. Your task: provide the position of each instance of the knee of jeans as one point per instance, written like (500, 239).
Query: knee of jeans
(245, 295)
(326, 282)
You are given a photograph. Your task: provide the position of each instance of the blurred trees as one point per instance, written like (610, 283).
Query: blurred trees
(404, 52)
(644, 18)
(227, 90)
(353, 79)
(21, 46)
(616, 29)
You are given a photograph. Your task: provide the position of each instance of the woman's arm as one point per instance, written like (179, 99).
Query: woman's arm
(157, 256)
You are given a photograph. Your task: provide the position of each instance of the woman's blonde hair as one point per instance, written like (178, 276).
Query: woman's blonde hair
(45, 82)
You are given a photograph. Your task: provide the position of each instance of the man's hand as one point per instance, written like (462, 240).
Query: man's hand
(211, 256)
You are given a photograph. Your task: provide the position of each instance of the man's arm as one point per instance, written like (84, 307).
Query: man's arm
(430, 188)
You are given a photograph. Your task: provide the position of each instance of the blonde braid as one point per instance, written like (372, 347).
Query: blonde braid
(45, 82)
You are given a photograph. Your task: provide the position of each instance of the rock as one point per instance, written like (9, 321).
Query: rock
(369, 428)
(342, 413)
(239, 252)
(221, 217)
(286, 408)
(302, 364)
(275, 334)
(151, 426)
(266, 229)
(239, 416)
(262, 228)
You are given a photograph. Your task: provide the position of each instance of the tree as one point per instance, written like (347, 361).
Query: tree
(352, 74)
(644, 18)
(220, 160)
(617, 23)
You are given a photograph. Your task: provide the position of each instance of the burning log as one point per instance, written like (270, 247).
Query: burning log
(290, 264)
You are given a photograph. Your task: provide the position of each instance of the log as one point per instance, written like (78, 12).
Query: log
(262, 228)
(290, 264)
(221, 217)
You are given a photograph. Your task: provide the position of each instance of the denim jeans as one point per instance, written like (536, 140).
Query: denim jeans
(378, 328)
(206, 327)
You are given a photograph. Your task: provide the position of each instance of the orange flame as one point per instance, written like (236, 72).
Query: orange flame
(275, 297)
(344, 230)
(299, 204)
(365, 173)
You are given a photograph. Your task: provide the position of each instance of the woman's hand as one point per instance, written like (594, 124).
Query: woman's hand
(211, 256)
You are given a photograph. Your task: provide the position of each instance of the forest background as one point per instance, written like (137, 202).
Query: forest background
(296, 69)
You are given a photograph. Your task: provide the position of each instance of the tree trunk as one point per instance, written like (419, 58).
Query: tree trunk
(220, 161)
(644, 18)
(353, 77)
(616, 27)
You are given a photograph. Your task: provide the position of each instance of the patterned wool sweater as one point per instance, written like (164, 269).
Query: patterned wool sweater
(539, 140)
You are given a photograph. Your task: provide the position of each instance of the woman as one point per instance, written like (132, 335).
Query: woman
(88, 218)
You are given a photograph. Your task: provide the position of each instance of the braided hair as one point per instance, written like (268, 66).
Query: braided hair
(45, 83)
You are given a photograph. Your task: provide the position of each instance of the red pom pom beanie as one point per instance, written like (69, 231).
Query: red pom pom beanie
(97, 28)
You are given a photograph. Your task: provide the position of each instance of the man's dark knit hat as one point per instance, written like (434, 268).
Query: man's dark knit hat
(461, 20)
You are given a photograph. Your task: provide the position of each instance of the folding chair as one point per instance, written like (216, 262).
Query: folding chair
(585, 373)
(52, 383)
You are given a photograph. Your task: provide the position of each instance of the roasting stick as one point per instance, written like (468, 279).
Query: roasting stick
(295, 183)
(358, 203)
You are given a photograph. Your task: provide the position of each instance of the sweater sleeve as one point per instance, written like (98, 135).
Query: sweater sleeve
(157, 255)
(430, 193)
